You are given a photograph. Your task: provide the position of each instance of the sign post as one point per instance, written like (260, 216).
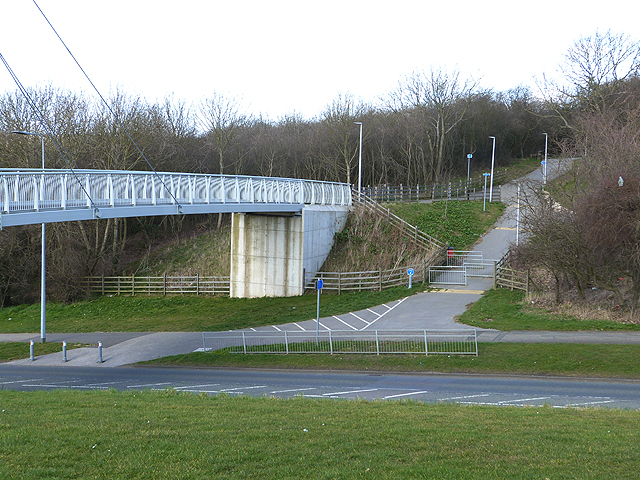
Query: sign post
(319, 285)
(410, 272)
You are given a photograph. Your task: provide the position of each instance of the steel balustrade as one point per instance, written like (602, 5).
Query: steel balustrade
(29, 196)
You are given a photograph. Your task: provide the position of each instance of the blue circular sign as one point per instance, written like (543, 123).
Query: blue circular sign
(410, 272)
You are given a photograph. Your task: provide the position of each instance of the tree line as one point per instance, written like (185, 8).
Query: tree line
(420, 133)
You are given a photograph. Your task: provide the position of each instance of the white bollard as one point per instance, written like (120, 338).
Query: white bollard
(100, 352)
(31, 350)
(64, 351)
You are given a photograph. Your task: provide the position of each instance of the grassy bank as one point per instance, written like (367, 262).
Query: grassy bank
(69, 434)
(460, 224)
(605, 361)
(504, 310)
(189, 314)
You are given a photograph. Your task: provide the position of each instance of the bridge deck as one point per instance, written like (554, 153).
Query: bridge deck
(31, 196)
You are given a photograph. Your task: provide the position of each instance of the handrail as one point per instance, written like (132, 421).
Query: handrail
(368, 202)
(51, 195)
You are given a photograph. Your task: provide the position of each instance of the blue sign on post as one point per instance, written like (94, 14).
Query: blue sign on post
(410, 273)
(319, 284)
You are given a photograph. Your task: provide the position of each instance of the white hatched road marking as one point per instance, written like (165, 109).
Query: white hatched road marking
(520, 400)
(361, 319)
(21, 381)
(591, 403)
(299, 327)
(198, 386)
(276, 328)
(226, 390)
(349, 392)
(465, 397)
(390, 308)
(347, 324)
(405, 394)
(294, 390)
(149, 385)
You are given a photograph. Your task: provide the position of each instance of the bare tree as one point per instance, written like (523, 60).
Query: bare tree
(597, 72)
(338, 130)
(442, 99)
(221, 119)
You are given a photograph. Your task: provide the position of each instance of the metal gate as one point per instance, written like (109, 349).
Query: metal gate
(448, 275)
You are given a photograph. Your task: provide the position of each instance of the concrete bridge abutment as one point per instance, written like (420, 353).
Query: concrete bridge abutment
(270, 253)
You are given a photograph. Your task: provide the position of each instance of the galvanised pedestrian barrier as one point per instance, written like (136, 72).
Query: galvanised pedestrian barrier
(424, 342)
(448, 275)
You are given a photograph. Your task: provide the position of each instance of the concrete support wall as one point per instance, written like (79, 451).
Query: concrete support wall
(320, 226)
(269, 254)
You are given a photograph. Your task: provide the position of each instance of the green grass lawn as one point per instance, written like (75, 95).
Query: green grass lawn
(112, 435)
(188, 314)
(460, 224)
(504, 310)
(563, 359)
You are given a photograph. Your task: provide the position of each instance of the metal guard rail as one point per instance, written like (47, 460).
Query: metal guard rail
(44, 196)
(372, 342)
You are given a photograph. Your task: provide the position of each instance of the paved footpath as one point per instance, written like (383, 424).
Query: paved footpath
(432, 310)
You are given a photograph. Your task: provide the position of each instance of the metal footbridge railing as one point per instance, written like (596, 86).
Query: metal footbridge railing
(31, 196)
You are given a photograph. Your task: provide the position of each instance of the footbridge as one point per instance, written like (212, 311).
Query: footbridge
(280, 226)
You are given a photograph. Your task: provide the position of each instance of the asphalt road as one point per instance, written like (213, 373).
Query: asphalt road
(463, 389)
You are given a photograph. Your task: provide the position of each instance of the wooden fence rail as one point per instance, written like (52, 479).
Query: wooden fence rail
(412, 232)
(164, 285)
(376, 280)
(507, 277)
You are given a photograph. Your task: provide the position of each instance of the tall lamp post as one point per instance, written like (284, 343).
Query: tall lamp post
(493, 157)
(43, 290)
(544, 167)
(360, 164)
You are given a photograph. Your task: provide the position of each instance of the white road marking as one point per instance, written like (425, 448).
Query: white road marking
(348, 392)
(521, 400)
(21, 381)
(149, 385)
(464, 397)
(294, 390)
(197, 386)
(398, 303)
(299, 327)
(405, 394)
(361, 319)
(347, 324)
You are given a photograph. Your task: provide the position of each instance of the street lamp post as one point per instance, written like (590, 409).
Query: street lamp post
(493, 157)
(469, 156)
(360, 164)
(544, 169)
(43, 289)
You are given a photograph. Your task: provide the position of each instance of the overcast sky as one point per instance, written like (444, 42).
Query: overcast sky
(285, 56)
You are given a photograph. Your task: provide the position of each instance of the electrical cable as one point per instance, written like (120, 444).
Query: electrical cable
(48, 130)
(120, 124)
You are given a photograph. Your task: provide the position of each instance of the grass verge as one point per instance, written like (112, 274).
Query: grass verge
(187, 314)
(504, 310)
(70, 434)
(561, 359)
